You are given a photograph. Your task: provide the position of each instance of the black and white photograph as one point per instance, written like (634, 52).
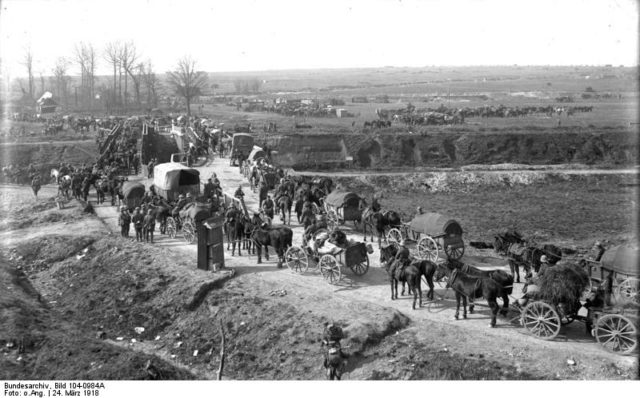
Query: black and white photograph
(318, 190)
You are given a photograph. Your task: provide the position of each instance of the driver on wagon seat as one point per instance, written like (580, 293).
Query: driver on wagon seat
(182, 201)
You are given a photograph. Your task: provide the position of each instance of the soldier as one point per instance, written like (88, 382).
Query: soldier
(124, 220)
(35, 184)
(268, 207)
(138, 220)
(239, 194)
(182, 201)
(148, 225)
(334, 357)
(208, 188)
(307, 217)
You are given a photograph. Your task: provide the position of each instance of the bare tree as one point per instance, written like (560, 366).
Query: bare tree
(151, 83)
(62, 79)
(186, 82)
(112, 56)
(42, 83)
(28, 63)
(128, 58)
(85, 56)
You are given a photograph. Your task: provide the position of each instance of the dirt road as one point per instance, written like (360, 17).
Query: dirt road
(507, 338)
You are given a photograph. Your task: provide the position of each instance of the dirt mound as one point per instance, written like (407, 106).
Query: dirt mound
(42, 213)
(116, 288)
(35, 345)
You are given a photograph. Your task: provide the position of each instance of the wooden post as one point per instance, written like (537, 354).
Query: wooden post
(222, 353)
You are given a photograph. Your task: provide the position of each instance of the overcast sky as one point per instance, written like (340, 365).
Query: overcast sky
(240, 35)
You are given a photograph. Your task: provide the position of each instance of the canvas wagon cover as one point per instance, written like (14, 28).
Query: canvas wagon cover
(435, 224)
(132, 190)
(243, 141)
(169, 176)
(342, 198)
(622, 259)
(257, 153)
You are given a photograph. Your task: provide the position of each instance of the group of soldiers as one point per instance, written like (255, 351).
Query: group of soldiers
(144, 224)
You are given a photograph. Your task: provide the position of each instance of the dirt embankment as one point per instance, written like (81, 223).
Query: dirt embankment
(456, 148)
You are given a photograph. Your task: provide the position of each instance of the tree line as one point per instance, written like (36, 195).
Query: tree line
(132, 84)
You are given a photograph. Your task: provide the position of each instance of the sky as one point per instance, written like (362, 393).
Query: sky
(245, 35)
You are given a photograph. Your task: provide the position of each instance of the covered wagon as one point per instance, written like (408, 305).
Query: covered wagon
(132, 194)
(434, 232)
(173, 179)
(342, 206)
(241, 147)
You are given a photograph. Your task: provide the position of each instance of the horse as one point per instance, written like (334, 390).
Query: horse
(426, 267)
(381, 221)
(409, 274)
(284, 205)
(160, 210)
(236, 233)
(504, 279)
(466, 286)
(64, 185)
(520, 253)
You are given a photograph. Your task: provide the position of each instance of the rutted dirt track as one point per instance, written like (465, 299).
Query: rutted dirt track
(274, 316)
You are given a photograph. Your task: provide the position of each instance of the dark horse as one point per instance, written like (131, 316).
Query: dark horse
(426, 267)
(284, 207)
(527, 256)
(409, 274)
(471, 287)
(504, 279)
(381, 221)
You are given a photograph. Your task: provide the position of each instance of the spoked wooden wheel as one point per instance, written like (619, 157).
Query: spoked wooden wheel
(330, 269)
(171, 227)
(428, 249)
(541, 320)
(189, 232)
(394, 236)
(332, 219)
(454, 252)
(627, 290)
(360, 268)
(616, 333)
(296, 259)
(315, 208)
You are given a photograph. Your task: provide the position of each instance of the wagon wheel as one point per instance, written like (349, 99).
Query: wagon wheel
(428, 249)
(616, 333)
(541, 320)
(315, 208)
(627, 290)
(189, 232)
(330, 269)
(454, 252)
(332, 219)
(394, 236)
(171, 227)
(296, 259)
(360, 268)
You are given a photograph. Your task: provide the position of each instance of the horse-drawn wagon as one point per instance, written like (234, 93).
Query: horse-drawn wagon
(342, 206)
(618, 269)
(188, 220)
(433, 233)
(132, 194)
(241, 147)
(172, 179)
(329, 260)
(611, 310)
